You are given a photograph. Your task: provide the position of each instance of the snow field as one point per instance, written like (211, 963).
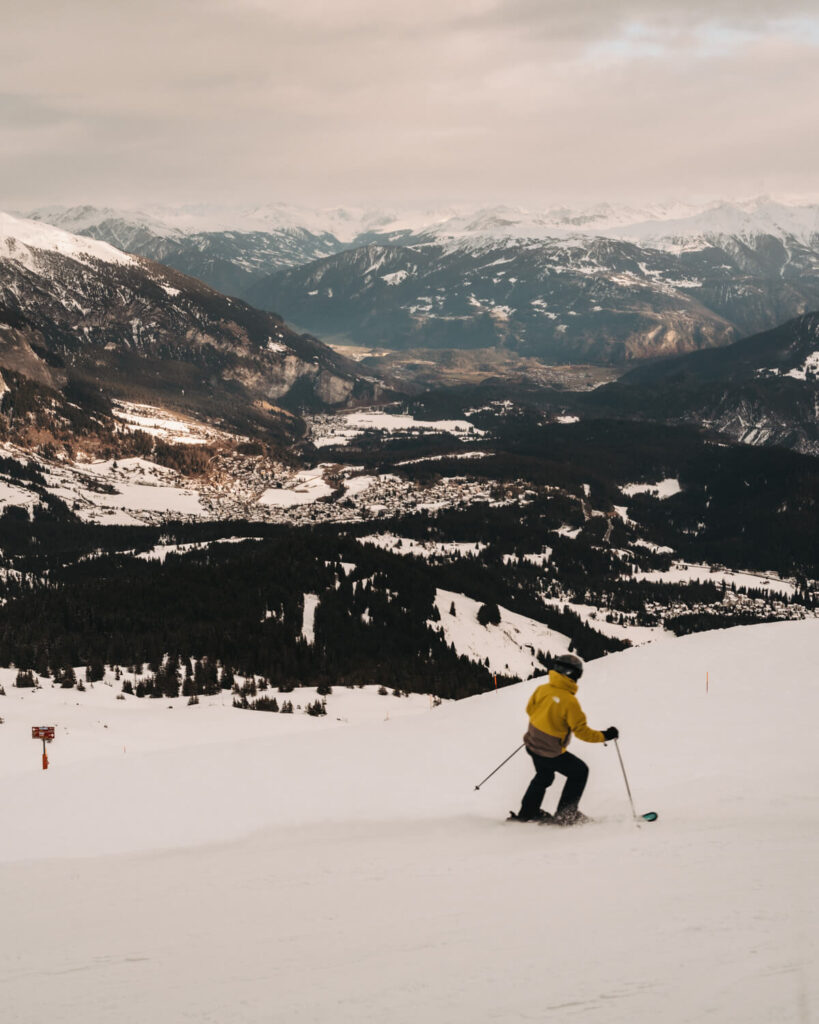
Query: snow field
(303, 489)
(662, 489)
(342, 429)
(12, 495)
(311, 603)
(353, 873)
(94, 725)
(422, 549)
(138, 486)
(596, 618)
(511, 646)
(686, 572)
(160, 423)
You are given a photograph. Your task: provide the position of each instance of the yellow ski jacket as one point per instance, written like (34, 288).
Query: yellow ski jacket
(554, 714)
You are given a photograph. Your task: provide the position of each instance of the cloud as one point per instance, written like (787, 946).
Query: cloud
(317, 101)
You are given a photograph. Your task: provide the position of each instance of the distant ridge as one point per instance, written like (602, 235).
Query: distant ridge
(605, 284)
(78, 315)
(761, 390)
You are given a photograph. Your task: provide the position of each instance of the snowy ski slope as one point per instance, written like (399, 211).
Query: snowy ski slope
(211, 865)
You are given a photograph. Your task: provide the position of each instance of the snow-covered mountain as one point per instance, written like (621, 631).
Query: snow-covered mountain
(580, 297)
(228, 255)
(20, 239)
(581, 300)
(761, 216)
(655, 221)
(761, 390)
(602, 284)
(665, 225)
(205, 862)
(76, 311)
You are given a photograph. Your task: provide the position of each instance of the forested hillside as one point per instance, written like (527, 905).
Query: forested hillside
(605, 534)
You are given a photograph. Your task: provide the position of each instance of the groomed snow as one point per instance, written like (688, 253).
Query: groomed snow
(311, 870)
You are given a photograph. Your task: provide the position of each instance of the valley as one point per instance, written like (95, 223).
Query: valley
(402, 528)
(234, 477)
(605, 285)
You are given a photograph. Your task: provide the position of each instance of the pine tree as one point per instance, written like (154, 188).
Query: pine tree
(489, 613)
(170, 683)
(95, 671)
(199, 681)
(66, 678)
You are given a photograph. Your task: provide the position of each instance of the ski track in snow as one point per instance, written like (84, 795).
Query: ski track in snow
(280, 868)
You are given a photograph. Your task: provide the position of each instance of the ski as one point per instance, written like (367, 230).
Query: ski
(570, 822)
(543, 820)
(549, 819)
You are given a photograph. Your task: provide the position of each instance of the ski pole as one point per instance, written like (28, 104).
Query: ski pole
(625, 777)
(489, 776)
(649, 815)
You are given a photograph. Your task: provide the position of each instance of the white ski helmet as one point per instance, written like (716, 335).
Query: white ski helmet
(569, 665)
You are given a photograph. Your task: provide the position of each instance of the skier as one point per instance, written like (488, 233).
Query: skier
(554, 714)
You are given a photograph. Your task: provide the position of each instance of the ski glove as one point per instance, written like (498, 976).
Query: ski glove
(611, 733)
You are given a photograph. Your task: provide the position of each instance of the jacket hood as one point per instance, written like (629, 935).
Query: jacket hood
(562, 682)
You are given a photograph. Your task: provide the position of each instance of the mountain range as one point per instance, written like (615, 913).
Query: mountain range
(90, 324)
(81, 317)
(601, 285)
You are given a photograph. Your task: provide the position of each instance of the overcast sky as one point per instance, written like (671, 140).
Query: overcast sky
(329, 102)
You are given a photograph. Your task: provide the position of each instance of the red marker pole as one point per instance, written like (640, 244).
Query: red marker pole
(46, 734)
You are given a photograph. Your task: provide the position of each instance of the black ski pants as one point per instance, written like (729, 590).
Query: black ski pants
(575, 771)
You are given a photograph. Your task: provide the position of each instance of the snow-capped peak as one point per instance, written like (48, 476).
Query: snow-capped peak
(662, 225)
(759, 216)
(18, 237)
(651, 224)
